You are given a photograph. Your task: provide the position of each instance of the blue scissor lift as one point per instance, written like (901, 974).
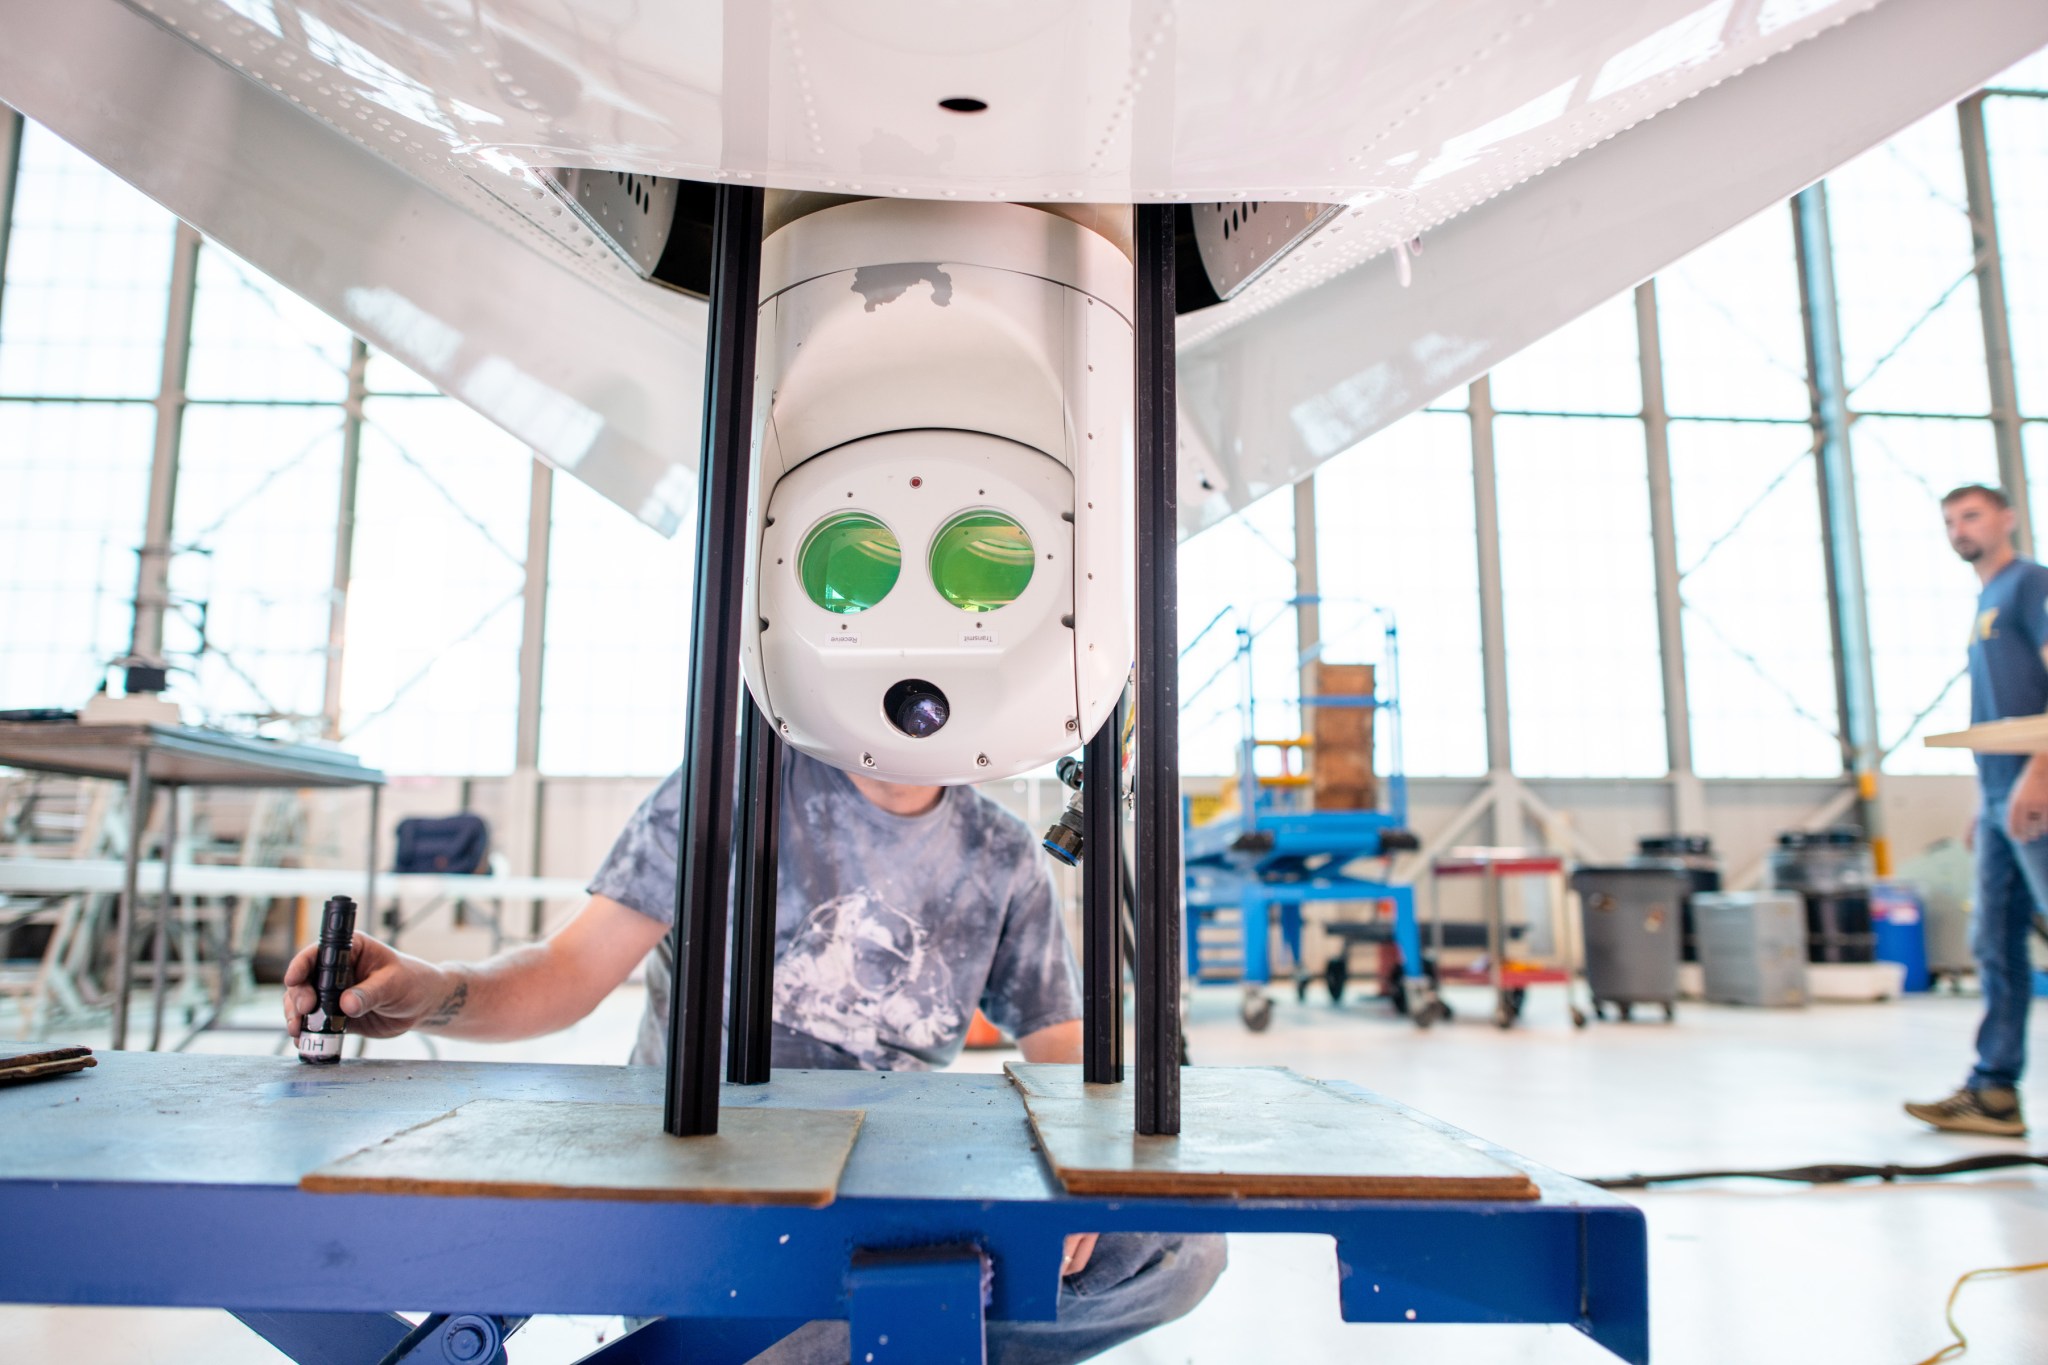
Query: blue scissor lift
(1271, 853)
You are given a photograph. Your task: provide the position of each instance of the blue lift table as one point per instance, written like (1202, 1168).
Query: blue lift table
(172, 1180)
(1271, 853)
(1284, 860)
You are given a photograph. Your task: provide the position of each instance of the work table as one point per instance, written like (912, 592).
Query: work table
(173, 1180)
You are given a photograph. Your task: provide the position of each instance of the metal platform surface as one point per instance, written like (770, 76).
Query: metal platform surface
(172, 1180)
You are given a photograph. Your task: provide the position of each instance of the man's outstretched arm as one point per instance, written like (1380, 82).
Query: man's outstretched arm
(520, 993)
(1055, 1043)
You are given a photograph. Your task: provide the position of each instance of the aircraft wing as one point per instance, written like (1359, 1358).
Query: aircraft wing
(398, 163)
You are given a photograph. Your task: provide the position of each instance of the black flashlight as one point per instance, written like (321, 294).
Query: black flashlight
(334, 964)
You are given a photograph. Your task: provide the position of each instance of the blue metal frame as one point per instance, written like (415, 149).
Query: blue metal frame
(121, 1244)
(1256, 899)
(922, 1306)
(183, 1198)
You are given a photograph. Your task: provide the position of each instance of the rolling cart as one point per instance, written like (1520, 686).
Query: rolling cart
(1510, 980)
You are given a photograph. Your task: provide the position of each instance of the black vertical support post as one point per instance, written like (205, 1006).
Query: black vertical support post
(1102, 957)
(697, 997)
(1157, 968)
(753, 932)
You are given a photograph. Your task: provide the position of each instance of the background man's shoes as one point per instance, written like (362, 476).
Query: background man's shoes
(1996, 1112)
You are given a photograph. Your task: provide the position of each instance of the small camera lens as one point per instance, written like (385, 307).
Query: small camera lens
(916, 708)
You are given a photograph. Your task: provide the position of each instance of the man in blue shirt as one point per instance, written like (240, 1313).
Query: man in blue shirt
(2008, 677)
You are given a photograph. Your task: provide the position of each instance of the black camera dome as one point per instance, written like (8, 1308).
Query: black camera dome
(916, 707)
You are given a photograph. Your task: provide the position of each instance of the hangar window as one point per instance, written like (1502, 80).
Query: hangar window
(1394, 531)
(1237, 575)
(1912, 336)
(253, 340)
(1745, 508)
(1585, 691)
(73, 481)
(1918, 591)
(1586, 366)
(259, 470)
(254, 570)
(81, 318)
(88, 272)
(609, 677)
(431, 677)
(1728, 319)
(1913, 354)
(1760, 680)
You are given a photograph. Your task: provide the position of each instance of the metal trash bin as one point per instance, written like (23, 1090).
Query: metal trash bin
(1630, 918)
(1752, 946)
(1833, 870)
(1695, 853)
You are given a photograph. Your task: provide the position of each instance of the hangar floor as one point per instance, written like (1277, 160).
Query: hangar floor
(1740, 1271)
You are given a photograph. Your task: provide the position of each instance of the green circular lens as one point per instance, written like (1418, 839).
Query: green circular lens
(849, 561)
(981, 560)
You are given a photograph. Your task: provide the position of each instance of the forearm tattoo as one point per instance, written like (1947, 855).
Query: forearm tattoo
(445, 1012)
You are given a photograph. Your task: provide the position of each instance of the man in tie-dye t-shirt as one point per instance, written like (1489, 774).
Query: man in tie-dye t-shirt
(900, 910)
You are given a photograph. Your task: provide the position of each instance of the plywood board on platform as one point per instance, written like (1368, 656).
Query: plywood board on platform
(1252, 1133)
(520, 1149)
(19, 1066)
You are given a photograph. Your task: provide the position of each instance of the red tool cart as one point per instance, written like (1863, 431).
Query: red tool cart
(1510, 979)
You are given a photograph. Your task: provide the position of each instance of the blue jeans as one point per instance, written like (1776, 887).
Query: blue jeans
(1134, 1282)
(2012, 879)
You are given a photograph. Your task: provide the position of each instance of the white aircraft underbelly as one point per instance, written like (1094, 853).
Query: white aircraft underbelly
(383, 158)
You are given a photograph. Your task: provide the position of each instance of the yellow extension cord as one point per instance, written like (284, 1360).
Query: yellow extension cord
(1955, 1349)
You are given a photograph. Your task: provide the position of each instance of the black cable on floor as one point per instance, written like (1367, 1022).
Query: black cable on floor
(1831, 1175)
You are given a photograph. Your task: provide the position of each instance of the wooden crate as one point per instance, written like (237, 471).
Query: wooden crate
(1340, 764)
